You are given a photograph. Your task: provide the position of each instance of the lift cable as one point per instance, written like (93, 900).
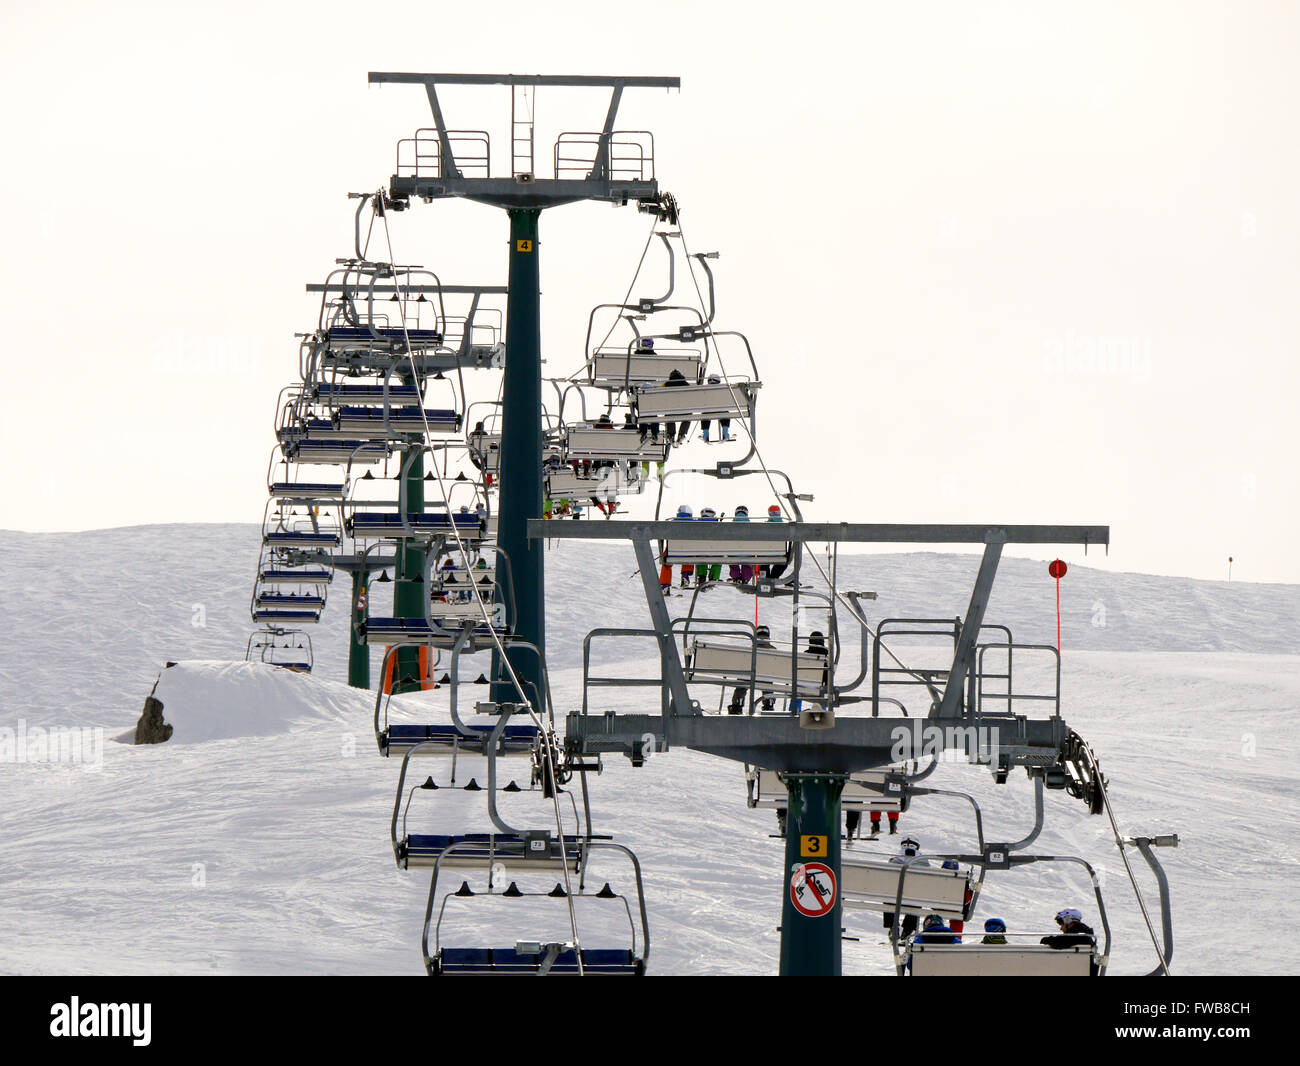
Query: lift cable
(1119, 842)
(758, 454)
(654, 222)
(548, 762)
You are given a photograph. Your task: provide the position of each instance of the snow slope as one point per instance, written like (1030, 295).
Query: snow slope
(257, 840)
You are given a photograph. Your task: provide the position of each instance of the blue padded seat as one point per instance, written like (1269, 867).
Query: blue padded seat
(336, 394)
(480, 848)
(275, 615)
(506, 961)
(435, 415)
(416, 734)
(418, 337)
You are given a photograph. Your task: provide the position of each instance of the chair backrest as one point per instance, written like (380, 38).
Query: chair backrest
(999, 960)
(732, 662)
(616, 442)
(873, 885)
(711, 400)
(740, 552)
(770, 791)
(613, 369)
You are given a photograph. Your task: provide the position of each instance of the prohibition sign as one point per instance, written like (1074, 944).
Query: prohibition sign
(812, 889)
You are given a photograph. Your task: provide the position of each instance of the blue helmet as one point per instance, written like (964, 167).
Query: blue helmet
(995, 925)
(932, 921)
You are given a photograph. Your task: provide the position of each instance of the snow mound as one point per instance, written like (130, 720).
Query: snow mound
(212, 700)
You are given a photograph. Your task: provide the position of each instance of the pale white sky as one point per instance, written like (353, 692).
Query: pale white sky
(999, 262)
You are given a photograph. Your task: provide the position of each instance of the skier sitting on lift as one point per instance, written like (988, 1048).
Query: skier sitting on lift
(1073, 931)
(676, 433)
(911, 849)
(684, 514)
(707, 573)
(763, 640)
(742, 572)
(995, 931)
(935, 932)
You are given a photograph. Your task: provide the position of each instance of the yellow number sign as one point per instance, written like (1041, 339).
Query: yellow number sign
(524, 246)
(812, 846)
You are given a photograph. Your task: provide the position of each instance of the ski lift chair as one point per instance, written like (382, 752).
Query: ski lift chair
(872, 884)
(689, 402)
(394, 525)
(341, 394)
(390, 338)
(539, 958)
(612, 444)
(726, 553)
(865, 790)
(287, 648)
(380, 423)
(621, 369)
(749, 666)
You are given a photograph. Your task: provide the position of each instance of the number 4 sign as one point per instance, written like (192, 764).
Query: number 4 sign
(812, 889)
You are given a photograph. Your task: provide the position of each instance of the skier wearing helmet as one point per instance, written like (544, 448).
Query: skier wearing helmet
(707, 573)
(684, 514)
(742, 572)
(774, 570)
(909, 855)
(995, 931)
(762, 640)
(935, 932)
(1073, 931)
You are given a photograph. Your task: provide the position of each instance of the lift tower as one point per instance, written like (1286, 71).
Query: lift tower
(815, 750)
(608, 165)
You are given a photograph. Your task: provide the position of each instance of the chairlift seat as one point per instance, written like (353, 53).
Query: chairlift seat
(770, 791)
(419, 631)
(341, 394)
(380, 422)
(457, 611)
(280, 614)
(445, 739)
(278, 600)
(869, 884)
(726, 553)
(1000, 960)
(731, 663)
(491, 962)
(314, 429)
(394, 337)
(338, 451)
(695, 401)
(615, 370)
(393, 525)
(459, 580)
(311, 575)
(290, 538)
(486, 448)
(612, 443)
(307, 490)
(481, 851)
(562, 484)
